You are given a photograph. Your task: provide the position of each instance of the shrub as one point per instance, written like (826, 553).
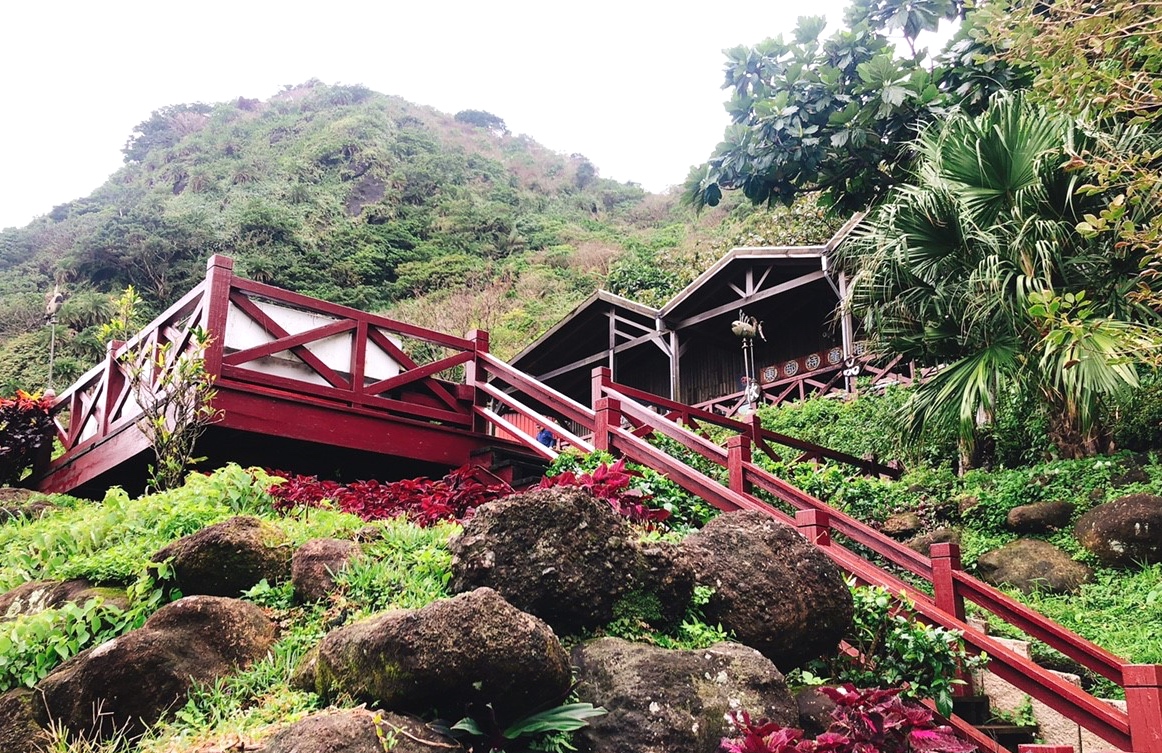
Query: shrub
(421, 500)
(863, 720)
(894, 648)
(25, 427)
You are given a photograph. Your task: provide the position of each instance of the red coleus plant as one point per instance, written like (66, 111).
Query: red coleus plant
(612, 484)
(864, 721)
(25, 426)
(422, 500)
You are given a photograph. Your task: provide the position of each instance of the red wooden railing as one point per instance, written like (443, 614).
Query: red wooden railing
(694, 418)
(612, 422)
(101, 406)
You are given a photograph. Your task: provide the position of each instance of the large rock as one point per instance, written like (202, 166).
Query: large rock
(779, 593)
(315, 565)
(1030, 564)
(902, 525)
(19, 730)
(1125, 532)
(22, 504)
(452, 655)
(358, 731)
(568, 558)
(135, 678)
(923, 543)
(1041, 517)
(663, 701)
(230, 557)
(37, 596)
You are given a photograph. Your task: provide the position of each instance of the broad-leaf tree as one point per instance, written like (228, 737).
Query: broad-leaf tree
(1104, 61)
(836, 115)
(976, 266)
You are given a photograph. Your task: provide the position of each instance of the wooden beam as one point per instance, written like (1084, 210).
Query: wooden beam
(760, 296)
(589, 360)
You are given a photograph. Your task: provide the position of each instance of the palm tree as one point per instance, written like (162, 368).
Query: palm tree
(977, 265)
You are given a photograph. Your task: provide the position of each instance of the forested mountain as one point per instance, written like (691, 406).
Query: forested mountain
(359, 198)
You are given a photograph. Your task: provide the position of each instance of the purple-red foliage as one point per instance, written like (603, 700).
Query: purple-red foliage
(864, 721)
(612, 484)
(25, 427)
(422, 500)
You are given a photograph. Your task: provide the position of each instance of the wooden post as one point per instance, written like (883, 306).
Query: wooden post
(738, 453)
(815, 525)
(599, 378)
(474, 376)
(216, 303)
(675, 368)
(945, 558)
(608, 418)
(1143, 683)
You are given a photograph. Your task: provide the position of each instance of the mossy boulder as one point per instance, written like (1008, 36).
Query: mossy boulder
(1040, 517)
(775, 590)
(1031, 564)
(37, 596)
(315, 565)
(568, 558)
(230, 557)
(134, 679)
(1125, 532)
(455, 655)
(662, 700)
(19, 730)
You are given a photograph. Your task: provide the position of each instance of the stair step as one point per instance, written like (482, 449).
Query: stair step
(1010, 735)
(974, 709)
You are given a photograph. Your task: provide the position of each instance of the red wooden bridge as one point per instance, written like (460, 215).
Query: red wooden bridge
(312, 386)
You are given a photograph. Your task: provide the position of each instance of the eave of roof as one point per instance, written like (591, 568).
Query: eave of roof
(600, 296)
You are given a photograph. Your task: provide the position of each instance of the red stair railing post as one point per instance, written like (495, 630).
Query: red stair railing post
(945, 558)
(815, 525)
(1143, 683)
(738, 453)
(599, 378)
(474, 376)
(608, 418)
(216, 300)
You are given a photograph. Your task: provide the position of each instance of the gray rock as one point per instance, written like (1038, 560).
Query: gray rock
(1041, 517)
(565, 556)
(136, 678)
(315, 565)
(230, 557)
(923, 543)
(814, 711)
(776, 591)
(22, 504)
(358, 731)
(38, 596)
(901, 525)
(453, 655)
(663, 701)
(1029, 564)
(1125, 532)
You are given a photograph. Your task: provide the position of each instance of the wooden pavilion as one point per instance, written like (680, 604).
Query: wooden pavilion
(685, 350)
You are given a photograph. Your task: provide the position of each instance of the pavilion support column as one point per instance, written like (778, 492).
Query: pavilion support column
(847, 328)
(612, 340)
(675, 368)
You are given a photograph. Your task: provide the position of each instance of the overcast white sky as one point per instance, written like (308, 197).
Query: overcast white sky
(634, 86)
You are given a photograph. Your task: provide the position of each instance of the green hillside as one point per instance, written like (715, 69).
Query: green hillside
(363, 199)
